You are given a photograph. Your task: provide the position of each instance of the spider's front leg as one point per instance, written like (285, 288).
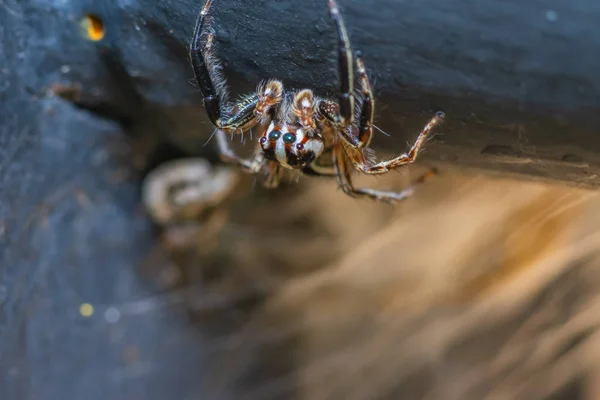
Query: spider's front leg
(251, 166)
(273, 175)
(250, 110)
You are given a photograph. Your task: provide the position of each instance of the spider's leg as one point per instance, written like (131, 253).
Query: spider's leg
(207, 78)
(251, 166)
(345, 117)
(273, 177)
(343, 168)
(407, 158)
(330, 111)
(243, 117)
(357, 138)
(365, 129)
(212, 83)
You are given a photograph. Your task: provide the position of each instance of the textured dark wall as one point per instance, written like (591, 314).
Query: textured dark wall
(72, 231)
(519, 82)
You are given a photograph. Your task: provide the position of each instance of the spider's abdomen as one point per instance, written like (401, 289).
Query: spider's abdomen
(290, 146)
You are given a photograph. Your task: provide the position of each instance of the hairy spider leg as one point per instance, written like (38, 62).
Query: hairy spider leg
(344, 170)
(251, 166)
(365, 128)
(212, 83)
(212, 98)
(358, 138)
(273, 175)
(407, 158)
(345, 117)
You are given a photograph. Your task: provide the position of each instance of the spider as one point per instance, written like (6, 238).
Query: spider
(299, 130)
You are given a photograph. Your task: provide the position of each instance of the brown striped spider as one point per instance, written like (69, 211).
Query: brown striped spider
(299, 130)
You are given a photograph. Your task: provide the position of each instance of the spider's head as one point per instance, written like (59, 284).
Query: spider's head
(290, 146)
(269, 95)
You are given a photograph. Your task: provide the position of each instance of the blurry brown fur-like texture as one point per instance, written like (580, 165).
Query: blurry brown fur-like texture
(474, 288)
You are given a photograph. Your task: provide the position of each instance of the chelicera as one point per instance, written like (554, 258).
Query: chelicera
(298, 129)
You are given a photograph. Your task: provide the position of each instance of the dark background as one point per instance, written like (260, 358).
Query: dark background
(518, 81)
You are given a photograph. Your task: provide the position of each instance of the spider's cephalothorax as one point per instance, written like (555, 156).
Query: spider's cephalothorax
(299, 130)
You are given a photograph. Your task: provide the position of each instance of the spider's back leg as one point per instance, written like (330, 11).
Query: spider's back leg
(343, 168)
(357, 138)
(382, 167)
(344, 114)
(365, 129)
(346, 95)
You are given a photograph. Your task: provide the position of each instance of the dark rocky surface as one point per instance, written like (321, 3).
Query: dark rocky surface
(518, 81)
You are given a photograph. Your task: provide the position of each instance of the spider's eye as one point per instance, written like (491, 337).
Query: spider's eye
(289, 138)
(274, 135)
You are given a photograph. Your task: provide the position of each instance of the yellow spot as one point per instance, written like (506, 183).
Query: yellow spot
(86, 310)
(92, 27)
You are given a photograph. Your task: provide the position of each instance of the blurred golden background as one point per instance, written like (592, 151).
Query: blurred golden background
(474, 288)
